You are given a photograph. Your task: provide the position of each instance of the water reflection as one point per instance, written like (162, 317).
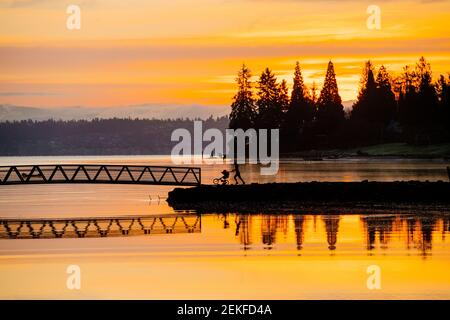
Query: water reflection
(293, 232)
(332, 228)
(380, 227)
(418, 230)
(414, 231)
(98, 227)
(299, 222)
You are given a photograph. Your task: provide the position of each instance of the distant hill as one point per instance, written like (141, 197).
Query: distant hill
(147, 111)
(95, 137)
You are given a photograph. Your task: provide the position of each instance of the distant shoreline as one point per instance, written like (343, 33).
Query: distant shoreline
(379, 151)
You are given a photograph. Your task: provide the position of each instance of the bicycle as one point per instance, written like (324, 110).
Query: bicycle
(220, 181)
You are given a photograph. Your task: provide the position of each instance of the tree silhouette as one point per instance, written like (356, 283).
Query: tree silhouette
(443, 92)
(417, 102)
(300, 109)
(375, 106)
(330, 112)
(365, 107)
(385, 97)
(314, 98)
(270, 112)
(243, 106)
(283, 96)
(427, 97)
(407, 100)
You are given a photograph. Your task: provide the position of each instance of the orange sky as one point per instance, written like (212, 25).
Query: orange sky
(188, 51)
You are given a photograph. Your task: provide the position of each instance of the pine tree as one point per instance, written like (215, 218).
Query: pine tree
(427, 97)
(270, 112)
(375, 106)
(407, 98)
(314, 98)
(418, 101)
(283, 96)
(330, 112)
(243, 106)
(365, 107)
(385, 97)
(300, 109)
(443, 91)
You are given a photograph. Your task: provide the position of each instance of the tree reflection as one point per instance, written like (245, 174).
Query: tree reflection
(378, 225)
(299, 221)
(332, 229)
(378, 231)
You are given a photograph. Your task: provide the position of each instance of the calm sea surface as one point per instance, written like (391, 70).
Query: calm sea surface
(129, 243)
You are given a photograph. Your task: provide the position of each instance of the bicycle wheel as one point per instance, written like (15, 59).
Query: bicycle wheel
(216, 181)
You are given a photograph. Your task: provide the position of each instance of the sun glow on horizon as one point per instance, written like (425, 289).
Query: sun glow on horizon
(188, 52)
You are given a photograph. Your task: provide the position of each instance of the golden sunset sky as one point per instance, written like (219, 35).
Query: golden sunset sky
(188, 51)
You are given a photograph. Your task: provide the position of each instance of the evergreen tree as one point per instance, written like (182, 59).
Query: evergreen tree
(330, 112)
(407, 98)
(243, 106)
(385, 97)
(365, 107)
(283, 96)
(300, 109)
(427, 97)
(443, 93)
(270, 112)
(374, 108)
(376, 100)
(313, 99)
(418, 103)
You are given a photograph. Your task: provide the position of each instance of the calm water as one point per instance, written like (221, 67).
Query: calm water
(138, 247)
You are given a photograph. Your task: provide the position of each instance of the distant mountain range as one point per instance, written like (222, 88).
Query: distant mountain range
(11, 112)
(146, 111)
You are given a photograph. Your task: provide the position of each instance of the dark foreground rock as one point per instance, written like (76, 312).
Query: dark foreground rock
(314, 196)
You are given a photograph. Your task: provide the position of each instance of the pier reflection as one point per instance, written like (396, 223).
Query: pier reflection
(98, 227)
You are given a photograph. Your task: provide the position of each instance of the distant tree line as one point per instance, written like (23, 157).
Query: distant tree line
(95, 137)
(409, 108)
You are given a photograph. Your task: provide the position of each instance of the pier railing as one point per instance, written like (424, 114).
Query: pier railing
(97, 173)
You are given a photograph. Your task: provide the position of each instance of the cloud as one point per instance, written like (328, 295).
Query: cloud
(88, 57)
(25, 94)
(33, 3)
(359, 1)
(22, 3)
